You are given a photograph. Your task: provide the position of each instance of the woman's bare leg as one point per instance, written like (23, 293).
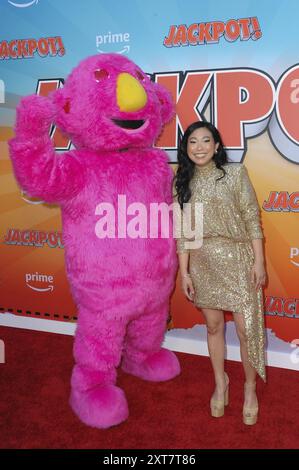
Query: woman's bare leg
(250, 399)
(215, 330)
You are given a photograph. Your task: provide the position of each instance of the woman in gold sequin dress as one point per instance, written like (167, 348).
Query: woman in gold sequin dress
(227, 271)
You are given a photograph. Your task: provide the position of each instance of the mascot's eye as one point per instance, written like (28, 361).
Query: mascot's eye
(139, 75)
(101, 74)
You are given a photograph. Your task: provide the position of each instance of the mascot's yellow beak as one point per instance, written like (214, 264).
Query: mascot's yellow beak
(131, 95)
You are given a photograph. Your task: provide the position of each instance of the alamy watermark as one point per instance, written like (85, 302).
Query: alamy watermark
(295, 354)
(158, 220)
(295, 93)
(2, 92)
(2, 352)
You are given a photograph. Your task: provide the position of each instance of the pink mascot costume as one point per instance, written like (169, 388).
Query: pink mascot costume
(112, 113)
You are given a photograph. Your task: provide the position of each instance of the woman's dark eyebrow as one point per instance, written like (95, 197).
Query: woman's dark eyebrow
(203, 137)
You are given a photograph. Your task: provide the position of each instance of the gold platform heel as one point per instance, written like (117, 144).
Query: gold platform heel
(250, 414)
(217, 406)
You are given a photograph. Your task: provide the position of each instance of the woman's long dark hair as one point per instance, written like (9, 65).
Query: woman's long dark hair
(186, 166)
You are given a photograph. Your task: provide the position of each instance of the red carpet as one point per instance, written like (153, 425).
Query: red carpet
(34, 410)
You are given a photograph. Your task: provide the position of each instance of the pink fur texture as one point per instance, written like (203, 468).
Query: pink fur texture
(121, 286)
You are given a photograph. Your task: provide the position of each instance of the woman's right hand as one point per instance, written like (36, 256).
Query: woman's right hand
(187, 286)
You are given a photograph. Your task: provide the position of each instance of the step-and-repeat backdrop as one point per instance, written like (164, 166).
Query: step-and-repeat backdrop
(232, 62)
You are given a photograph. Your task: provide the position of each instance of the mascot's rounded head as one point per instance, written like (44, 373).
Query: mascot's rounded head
(109, 103)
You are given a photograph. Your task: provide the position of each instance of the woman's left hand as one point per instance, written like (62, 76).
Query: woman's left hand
(258, 275)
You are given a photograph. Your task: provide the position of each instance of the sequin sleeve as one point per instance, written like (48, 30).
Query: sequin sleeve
(249, 207)
(178, 223)
(181, 240)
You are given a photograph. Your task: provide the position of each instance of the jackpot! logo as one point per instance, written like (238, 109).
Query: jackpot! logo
(33, 238)
(211, 32)
(27, 48)
(282, 201)
(237, 91)
(282, 307)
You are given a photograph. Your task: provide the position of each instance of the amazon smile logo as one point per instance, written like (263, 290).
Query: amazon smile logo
(113, 42)
(23, 4)
(30, 200)
(39, 282)
(294, 253)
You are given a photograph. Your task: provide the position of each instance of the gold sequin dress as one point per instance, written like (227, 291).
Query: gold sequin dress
(220, 269)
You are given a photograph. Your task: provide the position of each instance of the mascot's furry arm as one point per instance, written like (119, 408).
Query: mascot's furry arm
(39, 170)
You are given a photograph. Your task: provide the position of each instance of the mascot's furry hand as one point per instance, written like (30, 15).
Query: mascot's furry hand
(121, 276)
(34, 117)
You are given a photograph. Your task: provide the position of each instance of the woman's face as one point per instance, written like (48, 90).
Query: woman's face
(201, 146)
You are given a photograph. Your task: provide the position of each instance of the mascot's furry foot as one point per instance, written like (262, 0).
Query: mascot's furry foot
(100, 407)
(158, 367)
